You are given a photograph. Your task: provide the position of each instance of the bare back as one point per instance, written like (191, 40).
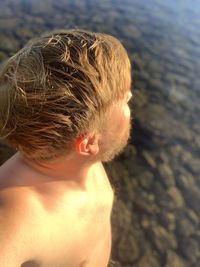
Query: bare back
(61, 225)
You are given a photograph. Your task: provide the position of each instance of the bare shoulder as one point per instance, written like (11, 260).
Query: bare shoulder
(16, 203)
(43, 222)
(14, 233)
(26, 229)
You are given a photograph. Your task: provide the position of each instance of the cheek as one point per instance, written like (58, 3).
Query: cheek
(124, 118)
(120, 118)
(127, 112)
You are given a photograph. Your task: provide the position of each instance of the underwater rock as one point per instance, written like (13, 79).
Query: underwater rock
(194, 165)
(176, 197)
(132, 31)
(192, 198)
(8, 23)
(189, 248)
(146, 179)
(140, 99)
(163, 240)
(24, 32)
(8, 43)
(2, 56)
(166, 175)
(186, 223)
(122, 216)
(5, 12)
(128, 247)
(37, 7)
(145, 203)
(185, 181)
(173, 260)
(149, 259)
(156, 119)
(149, 159)
(167, 219)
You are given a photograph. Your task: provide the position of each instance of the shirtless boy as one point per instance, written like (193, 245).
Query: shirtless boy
(64, 107)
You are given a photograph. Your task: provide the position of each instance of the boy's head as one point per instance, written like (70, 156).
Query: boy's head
(59, 88)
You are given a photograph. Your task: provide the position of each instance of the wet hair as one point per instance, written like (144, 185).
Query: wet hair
(58, 88)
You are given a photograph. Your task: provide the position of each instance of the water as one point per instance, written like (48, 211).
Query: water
(158, 176)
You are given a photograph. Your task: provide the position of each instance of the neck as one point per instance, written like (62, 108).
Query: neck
(73, 169)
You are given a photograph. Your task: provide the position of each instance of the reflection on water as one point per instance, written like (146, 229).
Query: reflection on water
(158, 176)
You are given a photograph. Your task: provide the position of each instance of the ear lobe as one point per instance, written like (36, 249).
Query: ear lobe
(87, 145)
(81, 144)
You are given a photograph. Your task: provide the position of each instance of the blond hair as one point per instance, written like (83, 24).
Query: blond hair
(57, 88)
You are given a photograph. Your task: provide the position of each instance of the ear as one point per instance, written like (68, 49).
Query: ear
(88, 145)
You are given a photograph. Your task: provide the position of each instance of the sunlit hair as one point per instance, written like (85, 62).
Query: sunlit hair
(58, 88)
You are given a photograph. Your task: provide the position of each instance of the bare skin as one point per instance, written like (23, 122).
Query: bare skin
(71, 223)
(58, 214)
